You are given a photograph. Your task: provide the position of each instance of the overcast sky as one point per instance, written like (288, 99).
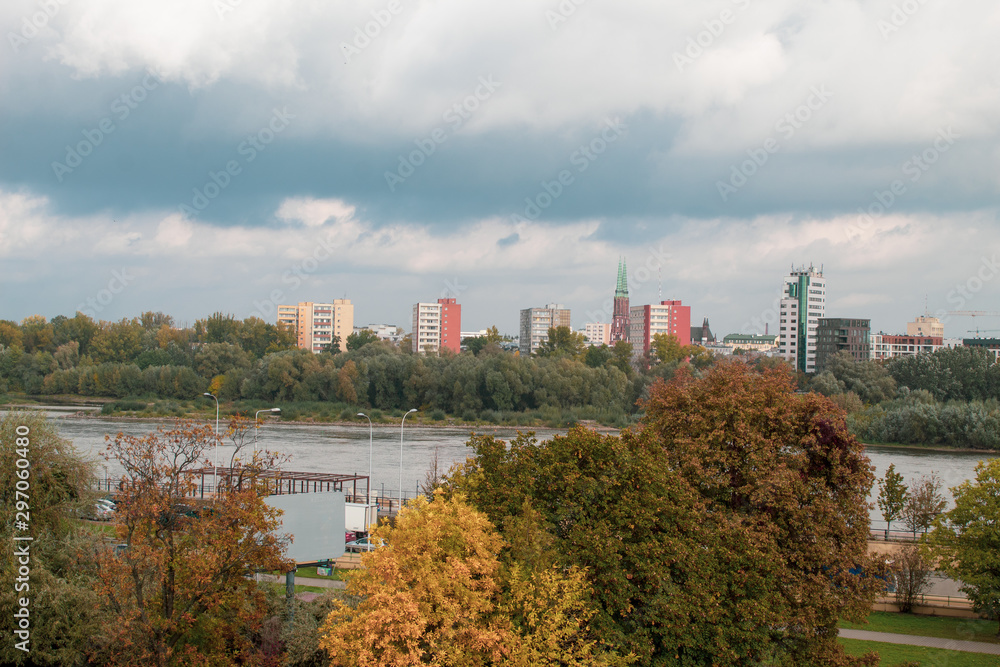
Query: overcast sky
(194, 156)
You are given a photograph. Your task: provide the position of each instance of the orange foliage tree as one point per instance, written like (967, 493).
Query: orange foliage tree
(179, 580)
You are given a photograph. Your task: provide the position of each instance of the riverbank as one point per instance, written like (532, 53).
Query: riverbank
(317, 413)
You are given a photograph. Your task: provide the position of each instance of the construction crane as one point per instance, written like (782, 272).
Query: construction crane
(974, 313)
(978, 331)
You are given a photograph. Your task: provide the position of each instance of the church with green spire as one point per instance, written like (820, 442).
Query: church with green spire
(620, 319)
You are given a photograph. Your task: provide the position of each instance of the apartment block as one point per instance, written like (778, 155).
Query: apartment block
(802, 304)
(316, 324)
(436, 326)
(839, 334)
(667, 317)
(887, 346)
(535, 324)
(597, 333)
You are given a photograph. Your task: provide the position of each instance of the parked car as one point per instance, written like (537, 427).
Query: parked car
(101, 510)
(364, 544)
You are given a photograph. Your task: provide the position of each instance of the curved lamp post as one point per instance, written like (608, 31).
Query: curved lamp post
(215, 473)
(368, 491)
(256, 427)
(401, 456)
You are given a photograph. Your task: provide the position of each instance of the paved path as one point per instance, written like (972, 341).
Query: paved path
(914, 640)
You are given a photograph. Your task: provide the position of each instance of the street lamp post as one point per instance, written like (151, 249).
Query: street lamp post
(215, 471)
(369, 490)
(256, 427)
(401, 456)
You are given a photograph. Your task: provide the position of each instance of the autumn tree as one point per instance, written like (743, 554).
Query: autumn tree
(924, 502)
(911, 573)
(892, 496)
(10, 335)
(179, 585)
(438, 594)
(729, 529)
(966, 538)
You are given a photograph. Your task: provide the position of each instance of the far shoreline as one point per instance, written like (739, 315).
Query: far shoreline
(94, 414)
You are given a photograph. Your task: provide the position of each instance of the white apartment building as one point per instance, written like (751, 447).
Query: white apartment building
(597, 333)
(535, 323)
(802, 304)
(426, 327)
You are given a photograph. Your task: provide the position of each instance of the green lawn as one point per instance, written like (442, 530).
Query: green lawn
(310, 573)
(966, 629)
(894, 654)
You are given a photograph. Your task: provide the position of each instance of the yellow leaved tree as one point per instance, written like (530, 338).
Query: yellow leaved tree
(438, 594)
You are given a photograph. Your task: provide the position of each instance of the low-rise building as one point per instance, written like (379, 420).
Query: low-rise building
(887, 346)
(752, 342)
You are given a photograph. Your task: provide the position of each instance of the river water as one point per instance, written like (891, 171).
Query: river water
(344, 449)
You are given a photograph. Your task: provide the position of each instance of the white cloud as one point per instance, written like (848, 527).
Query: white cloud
(727, 269)
(604, 60)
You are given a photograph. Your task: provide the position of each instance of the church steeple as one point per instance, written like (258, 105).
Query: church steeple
(620, 318)
(622, 289)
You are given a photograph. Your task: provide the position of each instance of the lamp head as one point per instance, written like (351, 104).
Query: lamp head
(413, 410)
(361, 414)
(275, 409)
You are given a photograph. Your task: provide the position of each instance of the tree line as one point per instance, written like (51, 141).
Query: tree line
(250, 360)
(950, 397)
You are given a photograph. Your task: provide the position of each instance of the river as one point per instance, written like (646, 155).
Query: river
(333, 448)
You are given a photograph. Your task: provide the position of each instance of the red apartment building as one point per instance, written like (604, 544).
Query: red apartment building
(668, 317)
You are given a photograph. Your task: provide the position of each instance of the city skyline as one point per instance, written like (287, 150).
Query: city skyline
(199, 157)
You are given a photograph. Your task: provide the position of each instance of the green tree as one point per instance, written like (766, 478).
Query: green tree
(870, 380)
(66, 624)
(563, 342)
(667, 349)
(117, 341)
(359, 339)
(333, 347)
(217, 328)
(79, 328)
(966, 538)
(621, 358)
(38, 334)
(152, 322)
(892, 496)
(723, 532)
(10, 335)
(597, 356)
